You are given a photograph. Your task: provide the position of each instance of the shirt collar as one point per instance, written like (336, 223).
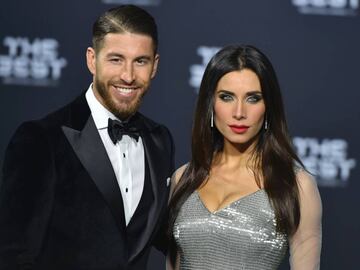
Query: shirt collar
(99, 113)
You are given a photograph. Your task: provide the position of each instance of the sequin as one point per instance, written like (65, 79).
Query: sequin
(241, 235)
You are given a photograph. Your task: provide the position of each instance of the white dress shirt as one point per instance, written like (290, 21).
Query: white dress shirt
(127, 157)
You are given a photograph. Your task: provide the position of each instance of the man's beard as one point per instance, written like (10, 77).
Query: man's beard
(121, 112)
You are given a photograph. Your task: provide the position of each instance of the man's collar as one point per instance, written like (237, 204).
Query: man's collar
(99, 113)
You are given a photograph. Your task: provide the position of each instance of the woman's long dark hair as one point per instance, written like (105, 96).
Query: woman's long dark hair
(274, 156)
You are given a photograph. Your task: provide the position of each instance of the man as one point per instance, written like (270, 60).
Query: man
(87, 186)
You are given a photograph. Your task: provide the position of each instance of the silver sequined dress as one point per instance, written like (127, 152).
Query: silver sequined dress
(239, 236)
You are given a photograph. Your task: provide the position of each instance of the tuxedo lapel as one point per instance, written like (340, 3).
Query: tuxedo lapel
(86, 142)
(90, 150)
(154, 156)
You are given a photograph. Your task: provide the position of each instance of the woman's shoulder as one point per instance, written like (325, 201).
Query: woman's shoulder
(179, 172)
(308, 191)
(305, 180)
(176, 177)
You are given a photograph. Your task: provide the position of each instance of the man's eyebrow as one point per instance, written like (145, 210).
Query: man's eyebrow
(143, 57)
(114, 54)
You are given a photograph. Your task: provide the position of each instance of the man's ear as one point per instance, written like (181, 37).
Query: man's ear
(91, 60)
(156, 62)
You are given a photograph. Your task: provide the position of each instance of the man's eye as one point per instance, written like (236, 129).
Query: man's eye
(141, 61)
(115, 60)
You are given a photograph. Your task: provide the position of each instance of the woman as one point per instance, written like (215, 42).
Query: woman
(244, 197)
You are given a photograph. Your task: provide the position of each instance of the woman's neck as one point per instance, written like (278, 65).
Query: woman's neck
(235, 155)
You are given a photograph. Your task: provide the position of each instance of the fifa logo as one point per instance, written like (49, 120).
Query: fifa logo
(197, 70)
(327, 7)
(327, 159)
(31, 62)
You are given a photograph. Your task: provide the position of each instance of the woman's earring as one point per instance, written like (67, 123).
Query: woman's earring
(266, 125)
(212, 119)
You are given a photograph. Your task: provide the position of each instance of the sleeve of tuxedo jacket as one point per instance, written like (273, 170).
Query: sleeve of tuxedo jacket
(25, 197)
(161, 239)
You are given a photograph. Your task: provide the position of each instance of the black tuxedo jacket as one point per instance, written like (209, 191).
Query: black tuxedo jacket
(60, 203)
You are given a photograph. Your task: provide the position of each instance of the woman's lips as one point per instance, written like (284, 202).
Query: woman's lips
(239, 129)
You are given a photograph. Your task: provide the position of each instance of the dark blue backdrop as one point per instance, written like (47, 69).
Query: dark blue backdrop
(313, 44)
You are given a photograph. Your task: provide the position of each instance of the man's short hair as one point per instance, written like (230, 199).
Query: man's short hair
(125, 18)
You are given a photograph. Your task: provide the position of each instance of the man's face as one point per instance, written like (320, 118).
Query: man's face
(122, 70)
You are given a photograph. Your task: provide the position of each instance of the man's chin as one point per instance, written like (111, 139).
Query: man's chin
(124, 113)
(125, 108)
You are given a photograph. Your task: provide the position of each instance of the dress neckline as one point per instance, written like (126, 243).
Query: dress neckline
(227, 205)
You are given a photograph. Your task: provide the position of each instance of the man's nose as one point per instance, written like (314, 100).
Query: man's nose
(127, 73)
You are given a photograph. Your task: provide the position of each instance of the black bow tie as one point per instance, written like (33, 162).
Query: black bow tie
(117, 129)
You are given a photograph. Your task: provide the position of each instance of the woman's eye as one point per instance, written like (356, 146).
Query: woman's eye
(253, 98)
(225, 97)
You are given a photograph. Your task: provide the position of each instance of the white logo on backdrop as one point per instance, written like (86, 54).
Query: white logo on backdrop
(34, 63)
(134, 2)
(197, 70)
(327, 7)
(327, 159)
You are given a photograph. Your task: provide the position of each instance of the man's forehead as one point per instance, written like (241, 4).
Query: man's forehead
(128, 43)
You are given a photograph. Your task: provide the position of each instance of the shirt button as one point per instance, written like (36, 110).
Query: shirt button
(126, 189)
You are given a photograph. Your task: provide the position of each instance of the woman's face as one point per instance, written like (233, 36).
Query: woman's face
(239, 107)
